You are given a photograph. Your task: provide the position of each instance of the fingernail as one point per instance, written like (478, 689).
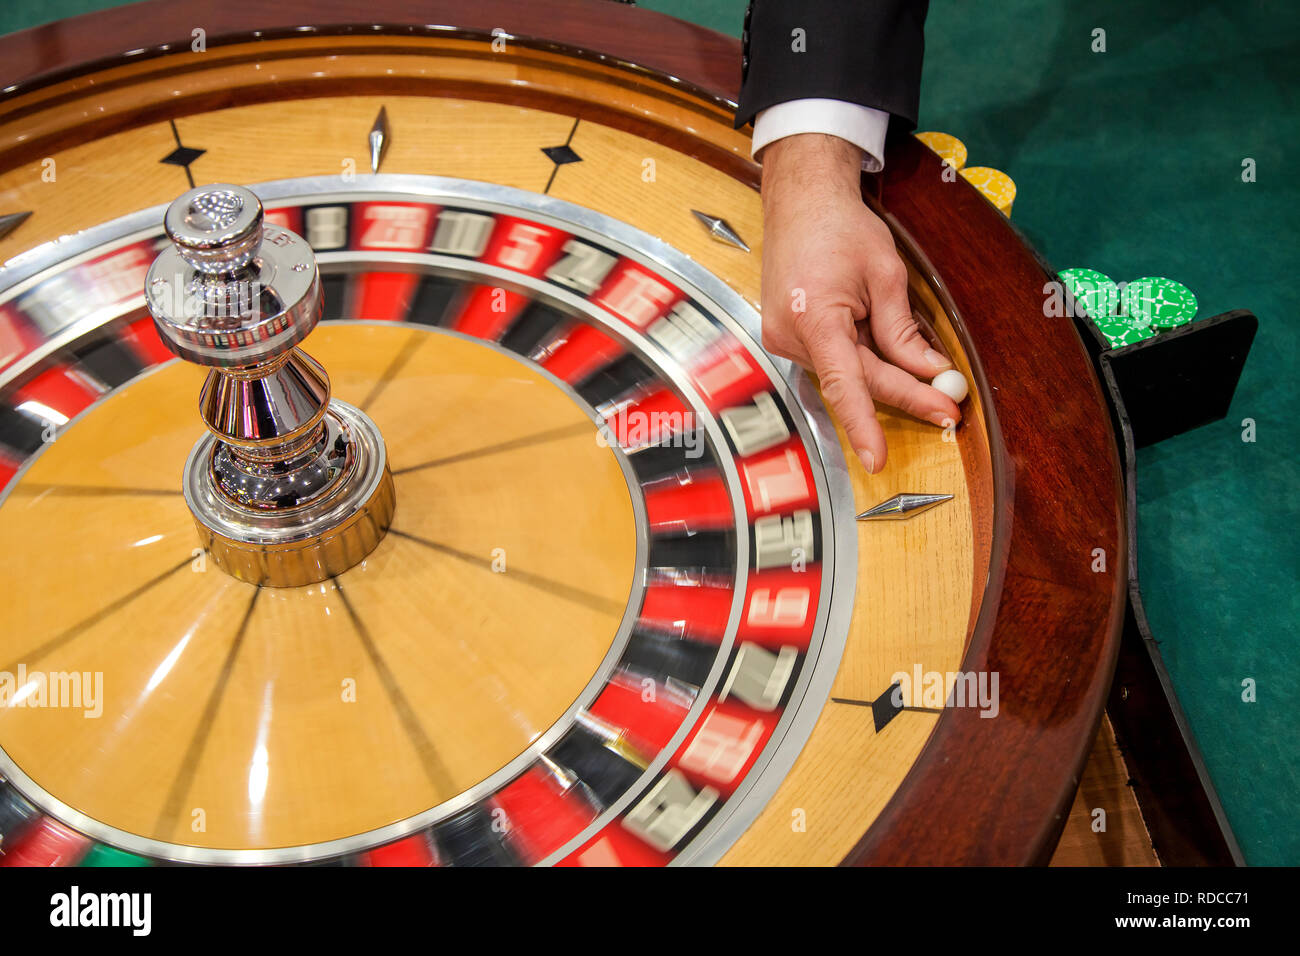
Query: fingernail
(942, 419)
(937, 360)
(868, 461)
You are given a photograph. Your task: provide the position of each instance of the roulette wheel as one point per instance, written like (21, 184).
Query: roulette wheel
(498, 538)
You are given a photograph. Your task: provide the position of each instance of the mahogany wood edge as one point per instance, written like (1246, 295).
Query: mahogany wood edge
(253, 51)
(698, 60)
(957, 806)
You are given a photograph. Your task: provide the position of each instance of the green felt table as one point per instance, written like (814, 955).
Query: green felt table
(1130, 161)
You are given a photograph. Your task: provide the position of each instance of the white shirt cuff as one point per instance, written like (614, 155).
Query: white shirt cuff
(862, 126)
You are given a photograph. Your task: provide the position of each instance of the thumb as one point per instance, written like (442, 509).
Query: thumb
(894, 328)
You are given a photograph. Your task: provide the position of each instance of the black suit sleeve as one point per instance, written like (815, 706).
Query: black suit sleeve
(863, 51)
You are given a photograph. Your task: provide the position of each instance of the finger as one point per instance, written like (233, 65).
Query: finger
(844, 386)
(892, 385)
(894, 328)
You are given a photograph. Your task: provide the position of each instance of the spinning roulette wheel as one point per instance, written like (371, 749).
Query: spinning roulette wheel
(527, 552)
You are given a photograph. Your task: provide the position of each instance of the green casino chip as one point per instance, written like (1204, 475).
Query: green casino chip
(1159, 302)
(1120, 333)
(1093, 290)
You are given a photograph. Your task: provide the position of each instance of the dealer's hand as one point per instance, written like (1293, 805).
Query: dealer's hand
(835, 292)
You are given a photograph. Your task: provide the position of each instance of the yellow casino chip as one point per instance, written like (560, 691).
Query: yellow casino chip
(996, 185)
(950, 149)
